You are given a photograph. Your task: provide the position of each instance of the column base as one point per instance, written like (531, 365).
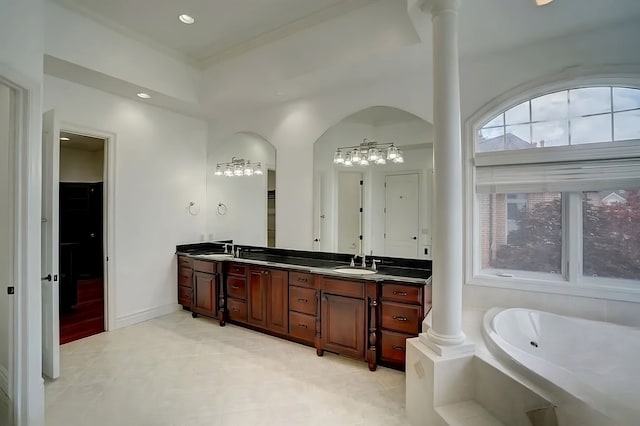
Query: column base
(447, 347)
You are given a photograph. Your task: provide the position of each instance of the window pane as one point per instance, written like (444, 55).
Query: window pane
(521, 231)
(590, 100)
(626, 125)
(491, 139)
(624, 98)
(518, 114)
(496, 121)
(611, 229)
(519, 136)
(551, 133)
(592, 129)
(553, 106)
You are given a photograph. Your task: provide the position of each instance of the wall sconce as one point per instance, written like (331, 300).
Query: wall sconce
(238, 167)
(368, 152)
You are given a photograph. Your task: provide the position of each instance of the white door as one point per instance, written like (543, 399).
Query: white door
(7, 204)
(349, 212)
(402, 215)
(50, 198)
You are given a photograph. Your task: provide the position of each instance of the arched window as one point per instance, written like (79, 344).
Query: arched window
(556, 192)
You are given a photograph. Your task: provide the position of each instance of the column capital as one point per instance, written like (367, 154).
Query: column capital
(436, 7)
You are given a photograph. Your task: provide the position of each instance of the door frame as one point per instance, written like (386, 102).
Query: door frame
(27, 387)
(108, 212)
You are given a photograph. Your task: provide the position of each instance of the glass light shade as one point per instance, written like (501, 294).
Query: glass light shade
(347, 160)
(218, 171)
(364, 161)
(257, 169)
(338, 158)
(373, 155)
(399, 159)
(228, 172)
(237, 170)
(381, 160)
(392, 152)
(248, 169)
(355, 156)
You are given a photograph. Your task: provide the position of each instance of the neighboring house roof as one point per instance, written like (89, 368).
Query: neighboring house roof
(500, 143)
(613, 198)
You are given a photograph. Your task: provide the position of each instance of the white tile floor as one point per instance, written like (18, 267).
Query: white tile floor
(176, 370)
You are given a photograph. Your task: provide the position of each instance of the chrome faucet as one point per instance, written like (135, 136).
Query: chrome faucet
(364, 261)
(373, 264)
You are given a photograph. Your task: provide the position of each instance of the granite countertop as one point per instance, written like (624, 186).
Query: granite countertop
(401, 270)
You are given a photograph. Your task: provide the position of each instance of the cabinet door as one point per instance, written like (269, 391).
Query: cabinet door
(204, 293)
(343, 325)
(257, 312)
(278, 301)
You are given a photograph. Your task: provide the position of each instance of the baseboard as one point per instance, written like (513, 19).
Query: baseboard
(146, 315)
(4, 379)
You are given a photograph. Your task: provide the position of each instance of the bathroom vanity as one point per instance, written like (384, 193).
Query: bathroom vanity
(307, 298)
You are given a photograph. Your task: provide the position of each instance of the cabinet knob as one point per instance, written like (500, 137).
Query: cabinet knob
(398, 348)
(302, 325)
(399, 293)
(300, 299)
(399, 318)
(235, 309)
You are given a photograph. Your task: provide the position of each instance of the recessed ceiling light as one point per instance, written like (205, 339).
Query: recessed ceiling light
(64, 139)
(143, 95)
(186, 19)
(542, 2)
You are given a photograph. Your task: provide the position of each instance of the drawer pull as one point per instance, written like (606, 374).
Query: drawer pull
(399, 293)
(399, 318)
(300, 299)
(234, 309)
(302, 325)
(303, 280)
(235, 286)
(398, 348)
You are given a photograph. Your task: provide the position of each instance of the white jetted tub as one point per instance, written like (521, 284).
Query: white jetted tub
(598, 363)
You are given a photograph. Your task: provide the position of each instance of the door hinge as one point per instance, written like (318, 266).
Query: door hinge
(11, 290)
(360, 209)
(361, 182)
(360, 237)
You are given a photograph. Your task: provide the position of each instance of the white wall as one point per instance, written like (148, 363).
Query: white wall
(6, 231)
(81, 166)
(160, 166)
(245, 197)
(21, 48)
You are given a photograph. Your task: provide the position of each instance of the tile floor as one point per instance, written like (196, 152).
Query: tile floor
(176, 370)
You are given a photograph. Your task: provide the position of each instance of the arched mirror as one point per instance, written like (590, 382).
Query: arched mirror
(384, 206)
(241, 190)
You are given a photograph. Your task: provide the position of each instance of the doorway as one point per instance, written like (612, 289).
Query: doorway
(350, 186)
(402, 215)
(81, 223)
(271, 208)
(7, 248)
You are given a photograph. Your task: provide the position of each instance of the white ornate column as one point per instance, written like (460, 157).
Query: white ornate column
(445, 334)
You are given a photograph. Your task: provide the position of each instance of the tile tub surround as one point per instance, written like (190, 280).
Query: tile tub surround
(175, 370)
(390, 268)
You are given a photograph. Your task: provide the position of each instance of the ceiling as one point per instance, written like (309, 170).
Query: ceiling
(81, 142)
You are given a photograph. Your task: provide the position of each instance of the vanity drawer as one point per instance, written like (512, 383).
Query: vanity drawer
(393, 346)
(237, 309)
(184, 296)
(302, 300)
(401, 317)
(237, 269)
(402, 293)
(302, 326)
(301, 279)
(236, 287)
(184, 261)
(204, 266)
(184, 276)
(343, 287)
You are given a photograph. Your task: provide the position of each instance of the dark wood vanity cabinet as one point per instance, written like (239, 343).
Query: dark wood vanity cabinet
(304, 312)
(185, 281)
(236, 288)
(206, 287)
(268, 299)
(349, 318)
(402, 308)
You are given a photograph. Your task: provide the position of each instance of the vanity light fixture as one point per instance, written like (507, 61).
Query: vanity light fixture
(542, 2)
(368, 152)
(143, 95)
(186, 19)
(238, 167)
(64, 138)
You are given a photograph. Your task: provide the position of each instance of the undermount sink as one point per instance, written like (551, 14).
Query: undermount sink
(216, 256)
(355, 271)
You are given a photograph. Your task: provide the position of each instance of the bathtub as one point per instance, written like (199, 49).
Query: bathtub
(594, 363)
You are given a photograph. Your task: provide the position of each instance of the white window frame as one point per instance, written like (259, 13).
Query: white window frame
(571, 281)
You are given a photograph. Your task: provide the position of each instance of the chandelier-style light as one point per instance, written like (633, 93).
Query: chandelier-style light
(238, 167)
(368, 152)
